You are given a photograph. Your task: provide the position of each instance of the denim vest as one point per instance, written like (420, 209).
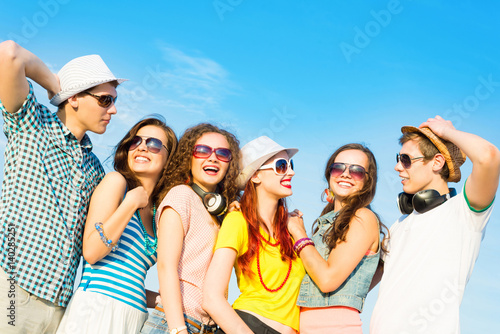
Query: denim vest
(353, 291)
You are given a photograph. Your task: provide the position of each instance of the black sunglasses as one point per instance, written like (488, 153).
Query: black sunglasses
(405, 160)
(204, 151)
(103, 100)
(357, 172)
(154, 145)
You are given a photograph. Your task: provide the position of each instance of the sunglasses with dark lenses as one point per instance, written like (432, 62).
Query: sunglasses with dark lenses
(405, 160)
(357, 172)
(204, 151)
(154, 145)
(103, 100)
(280, 166)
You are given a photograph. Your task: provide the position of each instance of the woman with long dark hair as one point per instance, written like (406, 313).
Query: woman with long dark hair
(256, 241)
(119, 241)
(347, 244)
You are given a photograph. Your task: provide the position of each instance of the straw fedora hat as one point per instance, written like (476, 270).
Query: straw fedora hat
(255, 153)
(452, 154)
(80, 74)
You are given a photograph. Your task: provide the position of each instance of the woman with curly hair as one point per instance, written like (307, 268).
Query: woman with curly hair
(119, 241)
(256, 242)
(200, 180)
(347, 244)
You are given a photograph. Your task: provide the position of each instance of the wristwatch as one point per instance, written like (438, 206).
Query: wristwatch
(177, 330)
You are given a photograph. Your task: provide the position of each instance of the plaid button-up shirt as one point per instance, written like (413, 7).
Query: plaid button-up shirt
(49, 178)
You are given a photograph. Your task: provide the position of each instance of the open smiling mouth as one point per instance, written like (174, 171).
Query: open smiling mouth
(141, 159)
(211, 170)
(287, 183)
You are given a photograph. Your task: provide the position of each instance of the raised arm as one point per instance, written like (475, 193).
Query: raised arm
(17, 64)
(482, 184)
(214, 292)
(107, 207)
(343, 259)
(170, 241)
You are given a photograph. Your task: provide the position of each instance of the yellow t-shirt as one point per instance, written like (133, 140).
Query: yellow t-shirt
(278, 306)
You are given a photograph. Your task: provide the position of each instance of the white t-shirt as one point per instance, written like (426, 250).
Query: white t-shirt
(430, 260)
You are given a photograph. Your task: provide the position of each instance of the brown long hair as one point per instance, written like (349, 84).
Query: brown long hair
(122, 149)
(352, 203)
(179, 171)
(254, 221)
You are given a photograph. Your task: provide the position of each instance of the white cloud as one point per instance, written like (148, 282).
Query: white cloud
(193, 83)
(178, 84)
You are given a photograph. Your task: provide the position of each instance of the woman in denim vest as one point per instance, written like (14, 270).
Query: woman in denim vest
(347, 245)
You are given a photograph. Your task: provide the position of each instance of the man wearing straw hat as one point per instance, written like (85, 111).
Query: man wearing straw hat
(50, 174)
(434, 245)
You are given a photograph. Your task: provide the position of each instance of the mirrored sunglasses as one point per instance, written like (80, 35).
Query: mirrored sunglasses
(103, 100)
(357, 172)
(405, 160)
(204, 151)
(280, 166)
(154, 145)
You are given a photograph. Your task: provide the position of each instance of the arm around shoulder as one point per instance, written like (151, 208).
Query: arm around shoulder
(363, 234)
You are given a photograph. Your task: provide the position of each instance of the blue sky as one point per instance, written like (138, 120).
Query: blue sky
(311, 75)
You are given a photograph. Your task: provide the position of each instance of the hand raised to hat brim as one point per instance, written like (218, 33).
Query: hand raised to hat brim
(482, 184)
(439, 126)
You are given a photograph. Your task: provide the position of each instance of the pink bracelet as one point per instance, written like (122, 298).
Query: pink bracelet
(303, 245)
(298, 242)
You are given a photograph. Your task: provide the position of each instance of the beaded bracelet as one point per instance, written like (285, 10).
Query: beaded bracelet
(108, 242)
(301, 243)
(298, 242)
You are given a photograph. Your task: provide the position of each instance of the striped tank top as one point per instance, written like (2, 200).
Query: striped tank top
(121, 273)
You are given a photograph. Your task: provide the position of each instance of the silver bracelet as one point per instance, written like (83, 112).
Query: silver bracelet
(108, 242)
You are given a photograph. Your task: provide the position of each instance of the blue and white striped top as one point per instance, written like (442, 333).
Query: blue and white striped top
(121, 273)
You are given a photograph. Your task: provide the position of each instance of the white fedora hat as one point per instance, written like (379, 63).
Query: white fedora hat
(255, 153)
(80, 74)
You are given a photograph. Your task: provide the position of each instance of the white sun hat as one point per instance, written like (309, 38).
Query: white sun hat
(255, 153)
(80, 74)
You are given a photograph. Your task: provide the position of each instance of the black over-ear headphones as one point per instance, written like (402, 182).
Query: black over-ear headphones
(215, 203)
(422, 201)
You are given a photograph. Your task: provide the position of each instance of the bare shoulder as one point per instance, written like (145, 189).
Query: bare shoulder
(366, 218)
(113, 181)
(115, 177)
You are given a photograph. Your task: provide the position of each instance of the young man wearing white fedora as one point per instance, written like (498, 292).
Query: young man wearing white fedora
(433, 247)
(50, 174)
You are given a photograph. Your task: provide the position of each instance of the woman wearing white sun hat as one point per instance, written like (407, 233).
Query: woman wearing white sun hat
(257, 243)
